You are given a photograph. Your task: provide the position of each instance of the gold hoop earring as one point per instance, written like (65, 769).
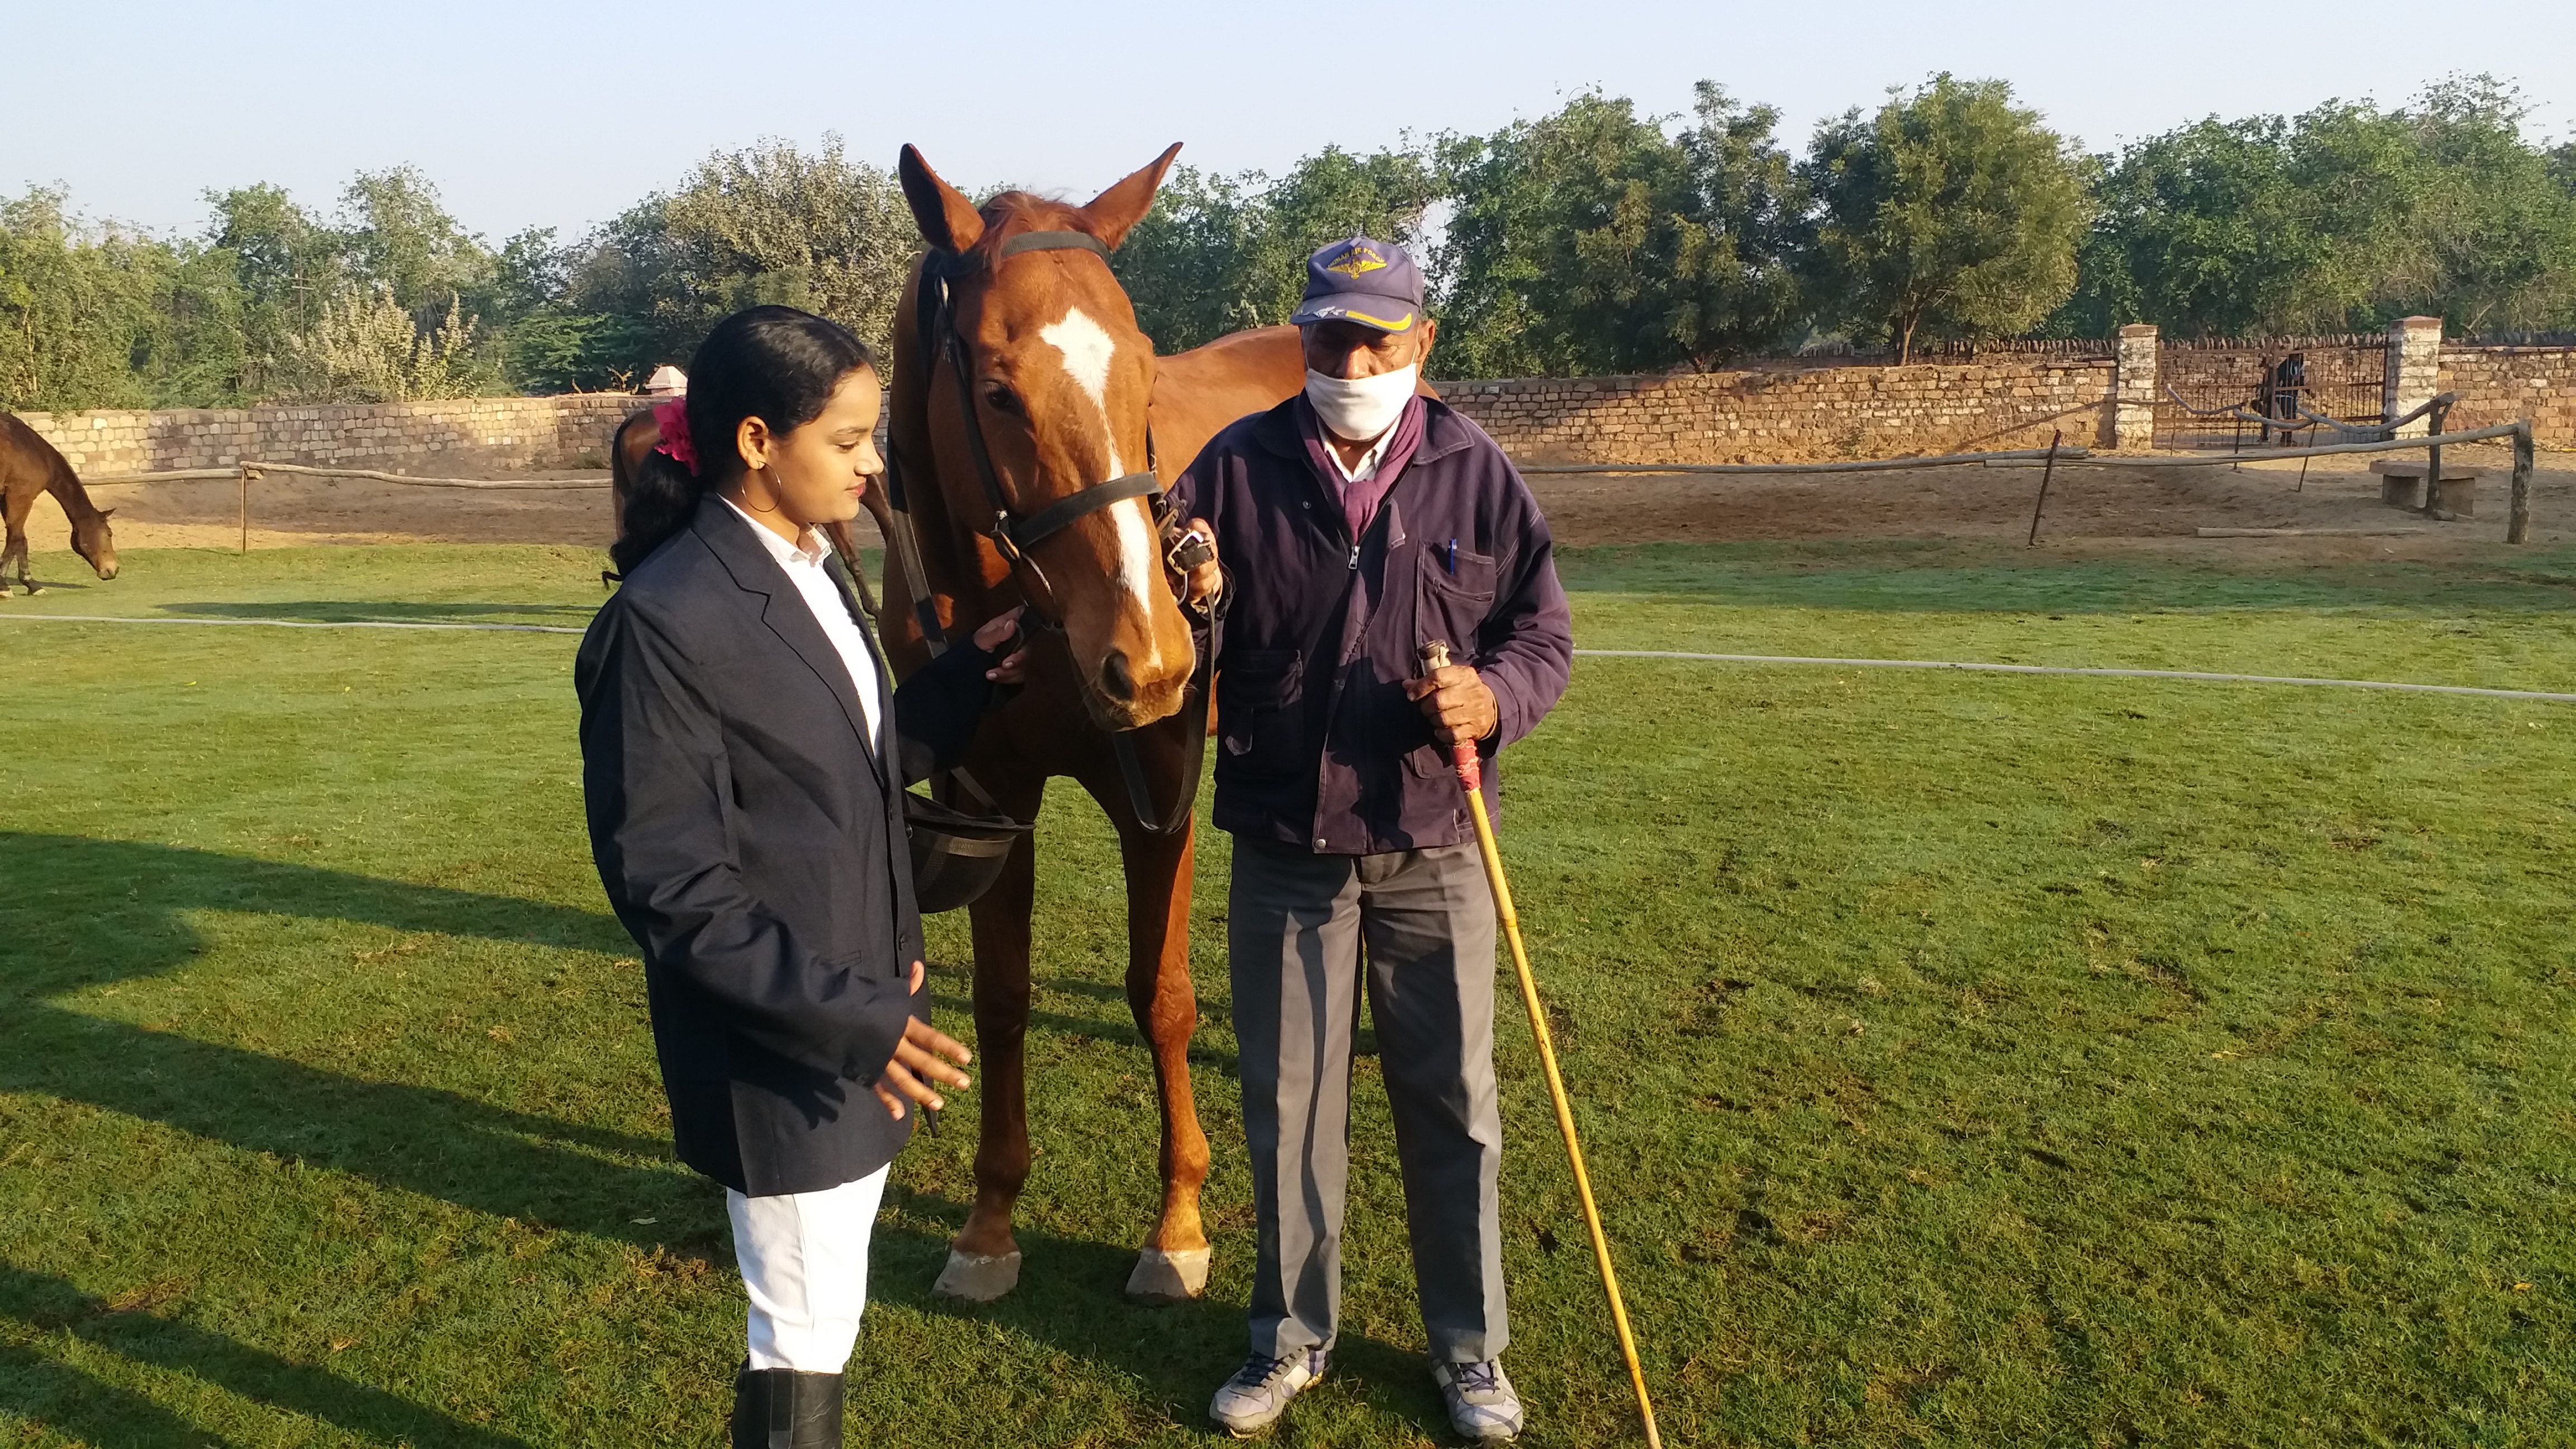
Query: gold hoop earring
(773, 492)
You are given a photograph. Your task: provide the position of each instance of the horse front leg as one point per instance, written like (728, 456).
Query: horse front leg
(14, 556)
(1173, 1264)
(984, 1259)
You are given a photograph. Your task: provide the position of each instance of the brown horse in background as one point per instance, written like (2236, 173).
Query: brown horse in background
(29, 466)
(1066, 393)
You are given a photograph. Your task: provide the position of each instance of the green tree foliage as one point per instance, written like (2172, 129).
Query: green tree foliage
(369, 349)
(1592, 240)
(1218, 254)
(2347, 217)
(288, 265)
(766, 223)
(100, 316)
(399, 239)
(2490, 241)
(1950, 213)
(2197, 229)
(314, 293)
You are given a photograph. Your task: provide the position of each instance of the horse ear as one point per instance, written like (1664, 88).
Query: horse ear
(947, 219)
(107, 513)
(1113, 213)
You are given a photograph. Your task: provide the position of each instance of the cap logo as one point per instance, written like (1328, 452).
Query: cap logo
(1356, 261)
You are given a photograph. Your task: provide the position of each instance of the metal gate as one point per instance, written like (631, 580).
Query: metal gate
(2227, 393)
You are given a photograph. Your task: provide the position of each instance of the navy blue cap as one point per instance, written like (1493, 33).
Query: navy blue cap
(1362, 280)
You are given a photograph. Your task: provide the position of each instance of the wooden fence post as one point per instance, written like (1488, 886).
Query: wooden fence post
(2518, 520)
(241, 502)
(2439, 418)
(2054, 436)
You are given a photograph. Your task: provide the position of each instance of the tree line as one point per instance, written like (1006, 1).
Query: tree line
(1594, 239)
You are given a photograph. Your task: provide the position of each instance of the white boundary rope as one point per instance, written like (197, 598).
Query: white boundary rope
(292, 623)
(593, 479)
(2197, 676)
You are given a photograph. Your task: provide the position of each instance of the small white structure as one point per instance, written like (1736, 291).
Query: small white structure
(667, 381)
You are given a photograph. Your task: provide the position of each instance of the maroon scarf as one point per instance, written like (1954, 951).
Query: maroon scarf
(1360, 499)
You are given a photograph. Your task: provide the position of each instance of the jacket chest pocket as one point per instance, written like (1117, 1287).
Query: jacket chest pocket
(1453, 594)
(1260, 698)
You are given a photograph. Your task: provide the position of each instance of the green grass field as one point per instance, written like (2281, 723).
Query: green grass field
(1964, 1059)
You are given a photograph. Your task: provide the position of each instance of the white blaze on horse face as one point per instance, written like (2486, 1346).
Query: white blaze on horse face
(1087, 350)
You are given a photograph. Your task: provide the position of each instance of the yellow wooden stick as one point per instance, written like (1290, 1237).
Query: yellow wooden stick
(1435, 655)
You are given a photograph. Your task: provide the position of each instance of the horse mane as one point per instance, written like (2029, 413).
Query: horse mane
(66, 487)
(60, 479)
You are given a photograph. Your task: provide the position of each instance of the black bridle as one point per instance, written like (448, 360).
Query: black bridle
(1013, 534)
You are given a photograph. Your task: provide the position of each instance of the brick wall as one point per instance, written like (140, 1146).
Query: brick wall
(1795, 415)
(462, 435)
(2500, 384)
(1776, 415)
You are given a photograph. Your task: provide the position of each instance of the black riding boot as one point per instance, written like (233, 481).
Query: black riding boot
(783, 1409)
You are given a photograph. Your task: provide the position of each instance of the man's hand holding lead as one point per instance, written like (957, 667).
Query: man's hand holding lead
(1207, 579)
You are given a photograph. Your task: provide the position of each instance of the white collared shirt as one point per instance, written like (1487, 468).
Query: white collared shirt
(1366, 468)
(803, 561)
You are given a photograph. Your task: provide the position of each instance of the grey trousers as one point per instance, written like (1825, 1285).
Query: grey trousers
(1295, 924)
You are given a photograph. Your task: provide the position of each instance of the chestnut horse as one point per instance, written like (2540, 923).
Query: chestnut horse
(1067, 394)
(1053, 392)
(29, 466)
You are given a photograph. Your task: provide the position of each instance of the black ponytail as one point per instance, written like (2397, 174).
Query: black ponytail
(776, 364)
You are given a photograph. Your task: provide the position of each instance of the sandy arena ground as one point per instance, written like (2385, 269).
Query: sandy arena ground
(2125, 503)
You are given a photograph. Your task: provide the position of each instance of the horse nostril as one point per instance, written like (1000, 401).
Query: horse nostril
(1115, 679)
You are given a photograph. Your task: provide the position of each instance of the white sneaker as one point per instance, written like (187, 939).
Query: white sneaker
(1259, 1392)
(1482, 1406)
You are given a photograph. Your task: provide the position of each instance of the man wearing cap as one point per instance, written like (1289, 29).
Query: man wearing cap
(1353, 524)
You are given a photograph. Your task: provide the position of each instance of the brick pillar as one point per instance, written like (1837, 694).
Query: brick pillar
(2133, 389)
(2414, 371)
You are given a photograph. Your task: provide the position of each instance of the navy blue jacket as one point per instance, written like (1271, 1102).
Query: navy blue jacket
(1319, 746)
(752, 842)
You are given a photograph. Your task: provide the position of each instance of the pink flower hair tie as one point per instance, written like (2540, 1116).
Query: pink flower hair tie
(673, 419)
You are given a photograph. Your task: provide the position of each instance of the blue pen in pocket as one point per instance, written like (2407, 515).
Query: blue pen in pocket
(1453, 557)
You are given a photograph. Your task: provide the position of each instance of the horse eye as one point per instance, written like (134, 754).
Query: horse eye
(1001, 399)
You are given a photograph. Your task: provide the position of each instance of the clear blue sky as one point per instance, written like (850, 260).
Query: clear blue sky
(560, 115)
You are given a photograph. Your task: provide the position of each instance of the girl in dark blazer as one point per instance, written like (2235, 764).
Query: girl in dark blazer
(743, 763)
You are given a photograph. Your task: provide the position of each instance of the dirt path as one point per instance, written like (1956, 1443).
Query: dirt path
(2121, 504)
(2125, 503)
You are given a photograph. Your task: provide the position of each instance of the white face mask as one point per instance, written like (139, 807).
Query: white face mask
(1359, 409)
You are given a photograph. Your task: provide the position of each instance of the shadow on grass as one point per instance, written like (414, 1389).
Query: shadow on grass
(52, 585)
(85, 912)
(351, 610)
(60, 1396)
(1072, 1297)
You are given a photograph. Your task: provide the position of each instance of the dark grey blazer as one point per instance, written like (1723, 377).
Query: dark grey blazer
(751, 839)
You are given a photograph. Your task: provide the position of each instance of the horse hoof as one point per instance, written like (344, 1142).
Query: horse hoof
(1162, 1277)
(977, 1278)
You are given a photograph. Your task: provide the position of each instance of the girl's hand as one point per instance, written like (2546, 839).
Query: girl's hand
(917, 1061)
(995, 633)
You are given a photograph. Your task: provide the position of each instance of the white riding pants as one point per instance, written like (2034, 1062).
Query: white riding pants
(804, 1258)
